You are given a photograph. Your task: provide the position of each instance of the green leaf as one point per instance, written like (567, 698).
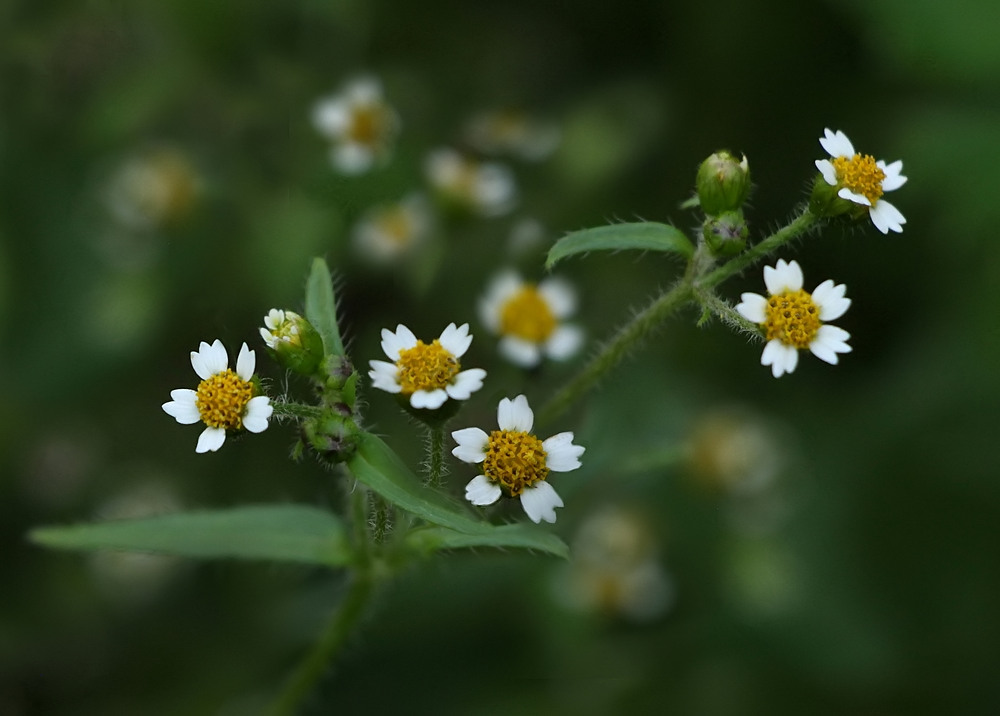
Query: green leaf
(644, 236)
(292, 533)
(432, 539)
(321, 307)
(377, 466)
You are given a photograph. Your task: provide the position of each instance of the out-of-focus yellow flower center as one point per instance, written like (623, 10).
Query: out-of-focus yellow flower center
(396, 224)
(515, 460)
(222, 399)
(861, 175)
(527, 315)
(425, 367)
(792, 318)
(369, 124)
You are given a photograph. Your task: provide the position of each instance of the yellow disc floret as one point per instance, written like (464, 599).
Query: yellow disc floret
(861, 174)
(222, 398)
(426, 367)
(369, 124)
(792, 318)
(527, 315)
(396, 224)
(515, 460)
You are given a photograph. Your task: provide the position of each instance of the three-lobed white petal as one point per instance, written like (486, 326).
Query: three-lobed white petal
(393, 343)
(456, 340)
(210, 440)
(540, 502)
(515, 415)
(886, 217)
(561, 455)
(481, 491)
(183, 408)
(472, 444)
(752, 307)
(466, 383)
(830, 300)
(783, 276)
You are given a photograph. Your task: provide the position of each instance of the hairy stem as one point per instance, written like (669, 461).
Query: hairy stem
(296, 410)
(435, 456)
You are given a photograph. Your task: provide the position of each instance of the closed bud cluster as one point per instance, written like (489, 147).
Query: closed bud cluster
(292, 341)
(726, 234)
(332, 436)
(723, 183)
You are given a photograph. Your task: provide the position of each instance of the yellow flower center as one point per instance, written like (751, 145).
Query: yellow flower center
(396, 225)
(425, 367)
(527, 315)
(861, 175)
(792, 318)
(222, 399)
(514, 459)
(369, 124)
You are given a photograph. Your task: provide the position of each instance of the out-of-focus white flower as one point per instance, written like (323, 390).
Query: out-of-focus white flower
(515, 462)
(485, 188)
(392, 231)
(151, 189)
(359, 123)
(224, 399)
(428, 374)
(528, 318)
(793, 319)
(735, 451)
(514, 133)
(862, 180)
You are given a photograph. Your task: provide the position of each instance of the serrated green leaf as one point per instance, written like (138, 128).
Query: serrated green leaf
(377, 466)
(321, 307)
(290, 533)
(643, 236)
(432, 539)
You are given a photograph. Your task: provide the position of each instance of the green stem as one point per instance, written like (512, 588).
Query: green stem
(296, 410)
(435, 455)
(342, 623)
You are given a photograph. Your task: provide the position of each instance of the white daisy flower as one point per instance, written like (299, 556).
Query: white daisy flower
(428, 374)
(391, 231)
(152, 189)
(359, 123)
(224, 399)
(512, 132)
(485, 188)
(528, 319)
(862, 180)
(793, 319)
(515, 462)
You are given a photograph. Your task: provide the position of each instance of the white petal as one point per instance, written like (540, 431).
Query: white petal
(500, 290)
(559, 295)
(520, 352)
(829, 341)
(848, 195)
(780, 356)
(466, 383)
(472, 444)
(210, 440)
(481, 491)
(753, 307)
(393, 343)
(331, 117)
(885, 217)
(540, 502)
(258, 411)
(198, 361)
(245, 363)
(364, 90)
(183, 408)
(384, 376)
(352, 158)
(829, 298)
(828, 171)
(456, 340)
(215, 357)
(561, 455)
(430, 399)
(564, 342)
(784, 276)
(893, 178)
(274, 318)
(495, 190)
(515, 415)
(269, 338)
(837, 144)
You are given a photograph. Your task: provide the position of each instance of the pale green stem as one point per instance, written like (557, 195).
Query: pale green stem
(317, 662)
(435, 455)
(296, 410)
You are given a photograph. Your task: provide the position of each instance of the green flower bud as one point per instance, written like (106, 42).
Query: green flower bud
(292, 341)
(823, 201)
(723, 183)
(726, 234)
(332, 437)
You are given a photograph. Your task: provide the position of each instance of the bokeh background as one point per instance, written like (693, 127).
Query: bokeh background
(826, 543)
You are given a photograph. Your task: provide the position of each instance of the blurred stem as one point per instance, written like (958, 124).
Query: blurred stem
(698, 281)
(296, 410)
(342, 623)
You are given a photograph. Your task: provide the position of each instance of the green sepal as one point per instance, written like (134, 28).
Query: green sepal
(643, 236)
(321, 307)
(285, 533)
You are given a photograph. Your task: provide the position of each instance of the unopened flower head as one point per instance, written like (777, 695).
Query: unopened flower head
(224, 401)
(484, 188)
(292, 340)
(515, 463)
(392, 231)
(792, 319)
(860, 180)
(512, 132)
(426, 373)
(359, 123)
(529, 318)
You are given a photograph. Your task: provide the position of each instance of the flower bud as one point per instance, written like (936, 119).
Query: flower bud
(292, 341)
(723, 183)
(824, 201)
(725, 234)
(332, 437)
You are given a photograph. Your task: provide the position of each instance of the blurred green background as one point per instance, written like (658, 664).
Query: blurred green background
(861, 576)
